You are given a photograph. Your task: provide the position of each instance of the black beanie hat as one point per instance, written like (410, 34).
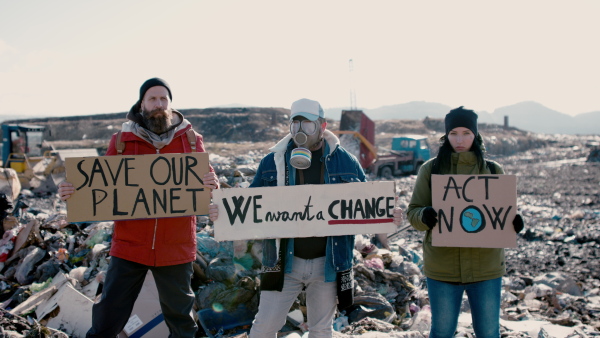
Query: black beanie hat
(460, 117)
(155, 81)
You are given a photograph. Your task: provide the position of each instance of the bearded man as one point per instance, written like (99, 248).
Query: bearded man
(165, 246)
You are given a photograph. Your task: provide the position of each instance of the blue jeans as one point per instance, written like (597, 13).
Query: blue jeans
(446, 298)
(308, 274)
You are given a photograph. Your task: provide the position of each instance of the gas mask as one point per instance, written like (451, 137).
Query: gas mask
(301, 130)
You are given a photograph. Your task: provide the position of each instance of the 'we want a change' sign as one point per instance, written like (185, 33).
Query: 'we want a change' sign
(137, 186)
(474, 210)
(305, 211)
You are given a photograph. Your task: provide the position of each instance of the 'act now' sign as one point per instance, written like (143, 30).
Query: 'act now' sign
(474, 210)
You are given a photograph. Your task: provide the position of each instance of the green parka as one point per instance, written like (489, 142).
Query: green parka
(452, 264)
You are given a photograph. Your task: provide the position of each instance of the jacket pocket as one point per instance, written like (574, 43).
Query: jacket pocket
(344, 178)
(269, 178)
(176, 230)
(132, 232)
(491, 262)
(343, 252)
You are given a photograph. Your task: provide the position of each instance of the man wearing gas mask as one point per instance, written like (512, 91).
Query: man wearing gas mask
(309, 154)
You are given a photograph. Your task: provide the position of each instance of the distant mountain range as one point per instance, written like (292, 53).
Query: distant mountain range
(528, 115)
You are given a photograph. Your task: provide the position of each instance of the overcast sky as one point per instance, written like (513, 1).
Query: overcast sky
(80, 57)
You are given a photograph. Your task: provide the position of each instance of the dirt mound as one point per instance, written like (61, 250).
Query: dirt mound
(253, 124)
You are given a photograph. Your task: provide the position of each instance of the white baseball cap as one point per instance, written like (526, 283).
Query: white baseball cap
(307, 108)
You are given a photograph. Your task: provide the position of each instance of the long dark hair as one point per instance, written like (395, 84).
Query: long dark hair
(443, 158)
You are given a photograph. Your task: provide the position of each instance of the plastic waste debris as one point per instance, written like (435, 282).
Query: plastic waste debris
(422, 320)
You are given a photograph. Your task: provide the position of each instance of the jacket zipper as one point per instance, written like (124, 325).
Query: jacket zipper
(156, 219)
(155, 227)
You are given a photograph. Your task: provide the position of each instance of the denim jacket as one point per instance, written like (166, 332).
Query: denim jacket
(340, 167)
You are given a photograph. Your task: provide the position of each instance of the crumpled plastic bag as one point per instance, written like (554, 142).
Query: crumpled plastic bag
(33, 256)
(207, 245)
(46, 270)
(220, 297)
(239, 248)
(560, 281)
(371, 305)
(37, 287)
(7, 243)
(246, 262)
(221, 269)
(364, 245)
(101, 233)
(422, 320)
(374, 262)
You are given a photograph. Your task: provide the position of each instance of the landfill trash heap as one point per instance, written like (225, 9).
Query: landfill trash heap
(552, 284)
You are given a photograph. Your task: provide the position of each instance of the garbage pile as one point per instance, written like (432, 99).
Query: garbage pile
(52, 270)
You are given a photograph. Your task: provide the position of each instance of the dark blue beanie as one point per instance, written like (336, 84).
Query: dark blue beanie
(460, 117)
(155, 81)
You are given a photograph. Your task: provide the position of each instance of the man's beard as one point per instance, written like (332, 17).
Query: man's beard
(158, 121)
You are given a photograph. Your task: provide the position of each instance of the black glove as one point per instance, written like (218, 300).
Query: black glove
(518, 223)
(429, 217)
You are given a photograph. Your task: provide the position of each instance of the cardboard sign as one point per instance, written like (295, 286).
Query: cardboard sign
(305, 211)
(474, 210)
(137, 186)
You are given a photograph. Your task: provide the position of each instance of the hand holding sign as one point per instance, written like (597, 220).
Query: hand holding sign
(65, 190)
(211, 180)
(518, 223)
(398, 216)
(429, 217)
(213, 212)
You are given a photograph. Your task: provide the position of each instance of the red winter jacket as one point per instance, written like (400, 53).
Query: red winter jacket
(158, 241)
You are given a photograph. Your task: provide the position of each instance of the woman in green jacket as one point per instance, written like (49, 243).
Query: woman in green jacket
(451, 271)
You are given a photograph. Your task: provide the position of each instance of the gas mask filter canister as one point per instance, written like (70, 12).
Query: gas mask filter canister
(300, 158)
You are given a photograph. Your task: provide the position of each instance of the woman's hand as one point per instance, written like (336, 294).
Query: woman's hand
(429, 217)
(518, 223)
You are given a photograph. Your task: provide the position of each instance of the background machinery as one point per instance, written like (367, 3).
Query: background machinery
(37, 164)
(357, 135)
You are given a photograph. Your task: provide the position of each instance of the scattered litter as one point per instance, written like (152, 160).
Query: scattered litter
(52, 271)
